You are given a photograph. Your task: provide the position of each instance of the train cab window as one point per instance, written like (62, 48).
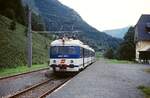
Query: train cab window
(72, 50)
(64, 50)
(54, 50)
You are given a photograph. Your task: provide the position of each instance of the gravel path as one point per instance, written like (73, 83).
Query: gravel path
(8, 86)
(103, 80)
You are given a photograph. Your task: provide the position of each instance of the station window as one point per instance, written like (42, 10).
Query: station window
(148, 27)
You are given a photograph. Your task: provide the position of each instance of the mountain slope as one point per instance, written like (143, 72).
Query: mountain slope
(57, 15)
(13, 50)
(118, 33)
(13, 9)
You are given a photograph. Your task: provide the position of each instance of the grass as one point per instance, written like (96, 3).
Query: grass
(145, 90)
(99, 55)
(13, 50)
(115, 61)
(20, 69)
(147, 70)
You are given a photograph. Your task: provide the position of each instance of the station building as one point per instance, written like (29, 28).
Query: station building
(142, 39)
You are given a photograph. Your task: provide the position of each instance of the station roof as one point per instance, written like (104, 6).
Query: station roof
(143, 24)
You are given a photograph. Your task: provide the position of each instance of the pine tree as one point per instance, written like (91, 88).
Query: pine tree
(126, 49)
(109, 54)
(13, 25)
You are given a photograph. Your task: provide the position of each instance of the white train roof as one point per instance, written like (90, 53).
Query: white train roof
(70, 42)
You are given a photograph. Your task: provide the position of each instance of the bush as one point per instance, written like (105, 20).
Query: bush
(12, 25)
(11, 9)
(109, 54)
(13, 50)
(126, 50)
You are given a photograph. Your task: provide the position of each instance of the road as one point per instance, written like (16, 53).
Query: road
(104, 80)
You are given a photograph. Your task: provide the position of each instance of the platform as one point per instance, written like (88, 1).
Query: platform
(103, 80)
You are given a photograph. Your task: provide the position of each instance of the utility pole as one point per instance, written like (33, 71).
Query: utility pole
(29, 39)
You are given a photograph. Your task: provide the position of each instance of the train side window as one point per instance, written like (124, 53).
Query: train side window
(88, 53)
(85, 53)
(81, 52)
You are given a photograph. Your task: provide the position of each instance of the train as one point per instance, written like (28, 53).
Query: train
(70, 55)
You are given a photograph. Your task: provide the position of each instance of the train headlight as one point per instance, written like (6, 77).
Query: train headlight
(71, 61)
(54, 61)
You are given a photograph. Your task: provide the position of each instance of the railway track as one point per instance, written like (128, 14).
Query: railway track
(40, 90)
(21, 74)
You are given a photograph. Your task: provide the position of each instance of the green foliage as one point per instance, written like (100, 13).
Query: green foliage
(12, 25)
(56, 15)
(13, 50)
(145, 90)
(99, 55)
(20, 69)
(147, 70)
(37, 24)
(115, 61)
(36, 20)
(13, 9)
(109, 54)
(126, 50)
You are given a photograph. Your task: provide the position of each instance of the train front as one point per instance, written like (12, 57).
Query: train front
(64, 56)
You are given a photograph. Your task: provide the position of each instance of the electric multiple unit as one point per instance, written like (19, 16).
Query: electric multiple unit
(70, 55)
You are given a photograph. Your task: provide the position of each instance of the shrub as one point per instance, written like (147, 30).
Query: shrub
(109, 54)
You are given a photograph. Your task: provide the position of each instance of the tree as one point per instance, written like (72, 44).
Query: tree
(126, 50)
(13, 25)
(37, 23)
(109, 53)
(11, 9)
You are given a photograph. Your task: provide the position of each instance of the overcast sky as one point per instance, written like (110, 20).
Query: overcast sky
(109, 14)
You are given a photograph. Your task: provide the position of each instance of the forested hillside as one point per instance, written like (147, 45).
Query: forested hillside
(126, 50)
(46, 15)
(57, 15)
(13, 9)
(13, 35)
(13, 50)
(118, 33)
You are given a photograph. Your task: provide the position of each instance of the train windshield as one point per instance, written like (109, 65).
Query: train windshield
(64, 51)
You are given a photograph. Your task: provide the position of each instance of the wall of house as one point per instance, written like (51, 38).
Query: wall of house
(140, 45)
